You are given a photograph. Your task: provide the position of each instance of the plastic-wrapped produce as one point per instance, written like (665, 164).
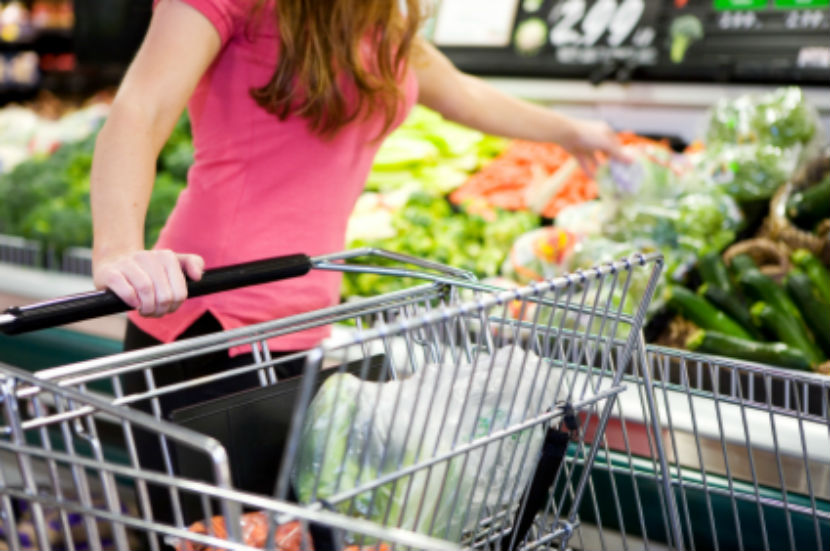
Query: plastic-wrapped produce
(755, 143)
(747, 172)
(656, 199)
(596, 250)
(652, 175)
(782, 118)
(357, 431)
(539, 254)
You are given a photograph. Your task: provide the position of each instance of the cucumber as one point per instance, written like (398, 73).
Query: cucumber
(741, 263)
(732, 306)
(713, 271)
(809, 206)
(703, 314)
(787, 330)
(772, 353)
(762, 288)
(815, 270)
(815, 309)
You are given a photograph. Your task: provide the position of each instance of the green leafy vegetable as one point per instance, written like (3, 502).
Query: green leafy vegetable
(781, 118)
(428, 227)
(431, 154)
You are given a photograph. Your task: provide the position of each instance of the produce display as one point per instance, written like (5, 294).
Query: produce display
(755, 143)
(430, 154)
(46, 198)
(39, 130)
(539, 177)
(744, 313)
(429, 227)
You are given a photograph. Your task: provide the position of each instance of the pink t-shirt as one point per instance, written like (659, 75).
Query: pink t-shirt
(261, 187)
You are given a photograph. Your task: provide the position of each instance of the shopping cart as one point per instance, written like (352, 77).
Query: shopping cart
(443, 413)
(706, 452)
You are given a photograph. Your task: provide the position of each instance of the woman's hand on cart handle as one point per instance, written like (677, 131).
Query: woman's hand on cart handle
(153, 282)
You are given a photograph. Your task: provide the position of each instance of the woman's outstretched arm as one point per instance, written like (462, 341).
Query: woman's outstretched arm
(471, 101)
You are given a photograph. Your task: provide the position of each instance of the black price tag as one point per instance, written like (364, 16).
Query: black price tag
(589, 32)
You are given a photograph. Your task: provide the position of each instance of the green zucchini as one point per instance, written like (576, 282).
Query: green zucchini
(762, 288)
(741, 263)
(713, 271)
(730, 304)
(772, 353)
(702, 313)
(815, 309)
(786, 330)
(809, 206)
(815, 270)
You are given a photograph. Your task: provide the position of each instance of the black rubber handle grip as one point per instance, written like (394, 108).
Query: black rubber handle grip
(95, 304)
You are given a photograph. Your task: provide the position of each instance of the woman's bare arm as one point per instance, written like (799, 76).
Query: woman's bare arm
(179, 47)
(471, 101)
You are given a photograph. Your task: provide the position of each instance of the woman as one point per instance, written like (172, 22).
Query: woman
(289, 101)
(281, 155)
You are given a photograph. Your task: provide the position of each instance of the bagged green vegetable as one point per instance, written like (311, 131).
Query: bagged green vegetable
(357, 431)
(746, 172)
(655, 200)
(781, 118)
(652, 175)
(593, 251)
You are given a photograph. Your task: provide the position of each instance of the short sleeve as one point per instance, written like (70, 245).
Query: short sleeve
(227, 16)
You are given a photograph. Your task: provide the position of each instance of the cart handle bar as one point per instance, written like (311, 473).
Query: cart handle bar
(83, 306)
(94, 304)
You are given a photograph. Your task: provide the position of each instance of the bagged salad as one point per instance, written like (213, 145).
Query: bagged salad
(657, 200)
(755, 143)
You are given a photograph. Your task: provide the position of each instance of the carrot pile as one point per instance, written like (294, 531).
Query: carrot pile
(542, 177)
(288, 537)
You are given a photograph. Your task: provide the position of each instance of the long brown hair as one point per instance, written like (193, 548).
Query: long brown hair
(320, 50)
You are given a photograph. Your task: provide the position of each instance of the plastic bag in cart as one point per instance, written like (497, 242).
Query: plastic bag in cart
(357, 431)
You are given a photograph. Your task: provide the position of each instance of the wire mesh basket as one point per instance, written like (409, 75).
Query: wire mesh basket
(446, 412)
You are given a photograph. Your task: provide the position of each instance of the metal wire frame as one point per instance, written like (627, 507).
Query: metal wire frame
(705, 452)
(59, 467)
(529, 312)
(536, 318)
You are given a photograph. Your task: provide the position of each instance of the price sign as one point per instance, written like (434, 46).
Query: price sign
(602, 22)
(742, 40)
(806, 20)
(738, 20)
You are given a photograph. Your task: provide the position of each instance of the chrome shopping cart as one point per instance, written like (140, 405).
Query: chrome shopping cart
(439, 418)
(706, 452)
